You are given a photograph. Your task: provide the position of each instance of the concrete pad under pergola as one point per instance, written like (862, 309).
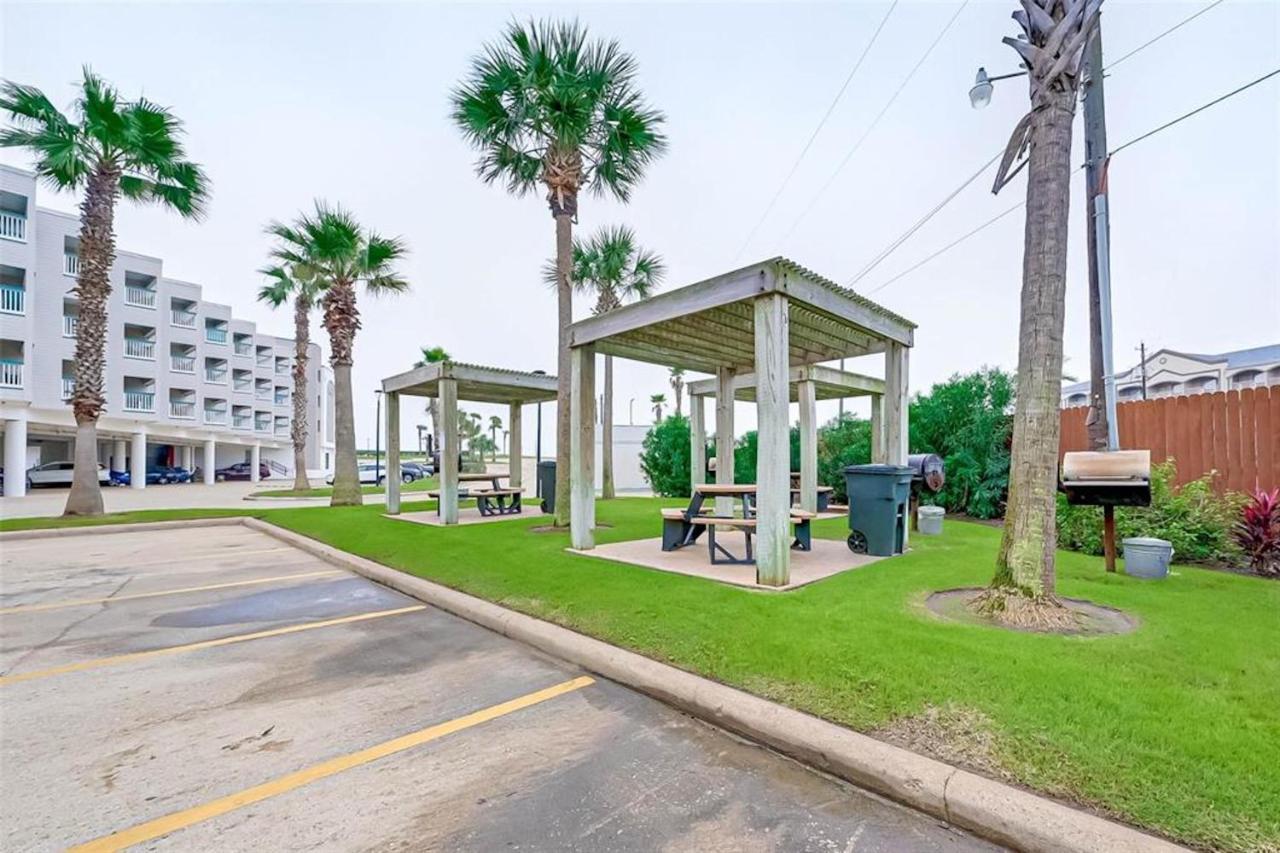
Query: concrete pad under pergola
(762, 320)
(449, 382)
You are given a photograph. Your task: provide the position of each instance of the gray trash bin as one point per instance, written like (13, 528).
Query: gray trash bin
(930, 520)
(1145, 557)
(547, 484)
(878, 496)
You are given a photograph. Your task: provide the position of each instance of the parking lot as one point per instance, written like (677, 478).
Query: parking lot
(215, 688)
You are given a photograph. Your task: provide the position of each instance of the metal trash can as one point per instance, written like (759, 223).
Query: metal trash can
(547, 484)
(930, 520)
(878, 496)
(1145, 557)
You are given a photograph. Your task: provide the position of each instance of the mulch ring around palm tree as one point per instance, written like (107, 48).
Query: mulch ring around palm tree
(1084, 618)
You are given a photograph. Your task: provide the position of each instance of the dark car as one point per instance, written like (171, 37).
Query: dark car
(241, 471)
(411, 471)
(163, 474)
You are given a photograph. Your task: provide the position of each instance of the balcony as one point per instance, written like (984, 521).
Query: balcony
(70, 264)
(182, 409)
(262, 424)
(241, 421)
(214, 335)
(243, 384)
(139, 401)
(13, 226)
(68, 387)
(10, 373)
(139, 297)
(264, 361)
(215, 416)
(182, 363)
(244, 347)
(13, 299)
(183, 318)
(69, 324)
(282, 428)
(216, 375)
(139, 348)
(282, 397)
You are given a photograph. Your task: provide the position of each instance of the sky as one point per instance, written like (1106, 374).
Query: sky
(289, 102)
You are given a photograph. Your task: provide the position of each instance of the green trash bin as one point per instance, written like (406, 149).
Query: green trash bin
(547, 485)
(878, 498)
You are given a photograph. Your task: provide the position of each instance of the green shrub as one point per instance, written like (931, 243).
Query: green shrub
(842, 441)
(1194, 518)
(664, 457)
(744, 455)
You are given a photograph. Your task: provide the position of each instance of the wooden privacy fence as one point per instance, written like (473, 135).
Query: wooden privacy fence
(1236, 433)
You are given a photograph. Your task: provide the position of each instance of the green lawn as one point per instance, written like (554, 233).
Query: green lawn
(1175, 727)
(423, 485)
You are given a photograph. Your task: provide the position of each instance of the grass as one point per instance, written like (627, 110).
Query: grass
(1175, 727)
(423, 485)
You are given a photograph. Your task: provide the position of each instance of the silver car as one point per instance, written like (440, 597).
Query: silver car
(59, 474)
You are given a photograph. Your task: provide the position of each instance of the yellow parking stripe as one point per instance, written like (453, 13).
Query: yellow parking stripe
(205, 644)
(182, 819)
(81, 602)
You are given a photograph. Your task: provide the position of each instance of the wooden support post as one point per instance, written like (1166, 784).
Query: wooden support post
(1109, 536)
(808, 394)
(895, 404)
(393, 452)
(724, 435)
(582, 449)
(449, 453)
(515, 447)
(877, 429)
(773, 456)
(697, 440)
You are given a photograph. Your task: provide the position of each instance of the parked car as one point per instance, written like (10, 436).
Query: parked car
(241, 471)
(168, 474)
(422, 469)
(370, 474)
(410, 471)
(59, 474)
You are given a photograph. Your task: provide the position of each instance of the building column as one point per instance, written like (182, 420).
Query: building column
(15, 457)
(895, 404)
(877, 429)
(449, 453)
(582, 449)
(515, 447)
(697, 440)
(808, 394)
(255, 460)
(138, 460)
(210, 461)
(773, 455)
(393, 452)
(119, 455)
(724, 435)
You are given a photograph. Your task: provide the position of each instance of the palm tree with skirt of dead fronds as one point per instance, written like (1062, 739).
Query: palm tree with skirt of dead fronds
(613, 267)
(305, 289)
(1055, 32)
(677, 385)
(110, 148)
(495, 424)
(658, 401)
(334, 247)
(434, 355)
(548, 108)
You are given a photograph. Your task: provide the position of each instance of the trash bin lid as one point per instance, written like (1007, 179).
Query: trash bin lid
(547, 463)
(1147, 542)
(877, 470)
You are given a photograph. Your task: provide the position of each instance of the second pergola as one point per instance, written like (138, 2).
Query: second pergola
(757, 326)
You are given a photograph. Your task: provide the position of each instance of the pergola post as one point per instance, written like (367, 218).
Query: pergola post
(393, 452)
(877, 429)
(808, 395)
(515, 447)
(582, 449)
(697, 440)
(895, 403)
(724, 435)
(449, 453)
(773, 459)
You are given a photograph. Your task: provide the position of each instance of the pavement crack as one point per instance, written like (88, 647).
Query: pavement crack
(63, 633)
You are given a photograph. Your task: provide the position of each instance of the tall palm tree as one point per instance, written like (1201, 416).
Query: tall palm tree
(112, 148)
(434, 355)
(1054, 36)
(495, 424)
(614, 268)
(658, 401)
(546, 107)
(302, 286)
(677, 385)
(338, 250)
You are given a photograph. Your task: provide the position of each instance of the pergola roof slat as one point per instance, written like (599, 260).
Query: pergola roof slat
(830, 383)
(477, 383)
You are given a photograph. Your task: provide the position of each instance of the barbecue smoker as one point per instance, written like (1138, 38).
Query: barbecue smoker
(927, 474)
(1107, 479)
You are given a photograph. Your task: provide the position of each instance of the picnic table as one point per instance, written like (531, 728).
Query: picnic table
(495, 500)
(681, 527)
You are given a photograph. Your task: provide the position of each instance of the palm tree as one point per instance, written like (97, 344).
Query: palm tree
(334, 247)
(658, 401)
(547, 108)
(495, 424)
(434, 355)
(112, 148)
(611, 266)
(677, 385)
(1055, 32)
(305, 289)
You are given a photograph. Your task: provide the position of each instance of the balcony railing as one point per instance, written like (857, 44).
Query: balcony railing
(264, 361)
(70, 263)
(244, 348)
(262, 424)
(182, 363)
(282, 429)
(263, 394)
(217, 375)
(139, 401)
(68, 387)
(10, 373)
(139, 297)
(245, 385)
(214, 335)
(139, 348)
(183, 318)
(13, 226)
(13, 299)
(215, 416)
(282, 399)
(242, 421)
(181, 409)
(69, 324)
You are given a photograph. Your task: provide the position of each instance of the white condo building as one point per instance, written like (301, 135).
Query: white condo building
(186, 383)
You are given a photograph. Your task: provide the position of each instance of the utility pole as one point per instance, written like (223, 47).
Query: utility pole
(1142, 354)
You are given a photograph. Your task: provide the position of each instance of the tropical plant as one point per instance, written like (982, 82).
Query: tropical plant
(434, 355)
(1257, 533)
(332, 245)
(300, 285)
(547, 108)
(676, 378)
(746, 452)
(664, 457)
(612, 267)
(1022, 592)
(843, 441)
(495, 424)
(110, 148)
(657, 401)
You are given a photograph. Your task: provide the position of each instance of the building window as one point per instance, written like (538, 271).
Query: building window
(1246, 379)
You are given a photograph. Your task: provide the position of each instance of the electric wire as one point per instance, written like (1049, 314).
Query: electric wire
(1152, 41)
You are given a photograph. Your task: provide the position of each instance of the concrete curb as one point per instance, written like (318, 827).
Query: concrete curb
(991, 809)
(103, 529)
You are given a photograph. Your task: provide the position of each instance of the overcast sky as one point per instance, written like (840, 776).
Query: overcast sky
(286, 102)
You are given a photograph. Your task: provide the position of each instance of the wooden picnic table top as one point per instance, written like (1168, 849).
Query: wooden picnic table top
(726, 488)
(481, 478)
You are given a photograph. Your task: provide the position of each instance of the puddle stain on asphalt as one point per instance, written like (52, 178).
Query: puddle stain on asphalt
(325, 600)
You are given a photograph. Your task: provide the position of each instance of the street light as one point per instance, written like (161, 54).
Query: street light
(980, 94)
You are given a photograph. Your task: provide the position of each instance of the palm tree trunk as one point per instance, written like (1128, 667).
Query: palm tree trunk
(433, 409)
(298, 429)
(606, 432)
(93, 288)
(564, 309)
(341, 320)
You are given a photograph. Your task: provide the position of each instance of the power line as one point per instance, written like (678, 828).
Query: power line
(1152, 41)
(822, 123)
(992, 221)
(847, 157)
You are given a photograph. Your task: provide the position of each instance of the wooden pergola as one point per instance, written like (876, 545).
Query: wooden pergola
(759, 321)
(807, 384)
(449, 382)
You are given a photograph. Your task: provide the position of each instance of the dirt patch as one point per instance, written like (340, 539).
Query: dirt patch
(951, 733)
(1090, 619)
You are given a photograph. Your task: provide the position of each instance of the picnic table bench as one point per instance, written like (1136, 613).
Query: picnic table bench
(681, 527)
(495, 500)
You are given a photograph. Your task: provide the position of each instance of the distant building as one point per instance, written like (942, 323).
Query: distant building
(1170, 373)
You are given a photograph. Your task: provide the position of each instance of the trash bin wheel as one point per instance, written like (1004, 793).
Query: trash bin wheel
(858, 542)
